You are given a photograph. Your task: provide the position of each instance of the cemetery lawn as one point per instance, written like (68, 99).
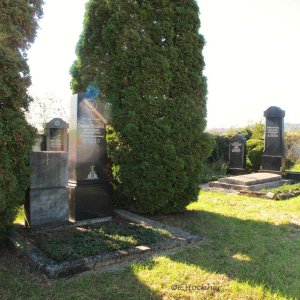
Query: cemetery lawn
(284, 188)
(250, 250)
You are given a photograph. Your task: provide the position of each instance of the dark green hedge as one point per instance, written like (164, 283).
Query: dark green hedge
(220, 150)
(15, 144)
(17, 30)
(146, 57)
(254, 150)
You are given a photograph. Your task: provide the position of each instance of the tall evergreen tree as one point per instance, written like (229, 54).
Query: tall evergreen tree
(146, 57)
(18, 24)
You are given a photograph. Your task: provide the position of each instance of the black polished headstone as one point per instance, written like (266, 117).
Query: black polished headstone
(237, 158)
(90, 191)
(273, 158)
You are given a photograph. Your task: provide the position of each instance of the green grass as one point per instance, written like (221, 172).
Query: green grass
(295, 168)
(20, 219)
(83, 242)
(250, 250)
(284, 188)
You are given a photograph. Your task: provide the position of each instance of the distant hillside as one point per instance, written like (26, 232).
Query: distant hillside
(291, 126)
(217, 131)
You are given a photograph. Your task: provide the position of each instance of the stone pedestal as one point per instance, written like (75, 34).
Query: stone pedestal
(249, 182)
(90, 191)
(273, 158)
(237, 157)
(57, 135)
(47, 197)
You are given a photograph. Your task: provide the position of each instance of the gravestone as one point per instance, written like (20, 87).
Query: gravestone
(57, 135)
(237, 157)
(90, 191)
(47, 197)
(273, 158)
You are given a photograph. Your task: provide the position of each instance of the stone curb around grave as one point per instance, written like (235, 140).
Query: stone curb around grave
(272, 196)
(39, 261)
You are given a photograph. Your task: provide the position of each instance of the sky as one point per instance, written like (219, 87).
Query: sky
(252, 56)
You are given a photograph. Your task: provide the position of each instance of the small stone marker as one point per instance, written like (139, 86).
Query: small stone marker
(90, 191)
(237, 155)
(273, 159)
(56, 135)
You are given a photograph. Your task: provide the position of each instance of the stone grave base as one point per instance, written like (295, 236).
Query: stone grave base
(250, 182)
(40, 262)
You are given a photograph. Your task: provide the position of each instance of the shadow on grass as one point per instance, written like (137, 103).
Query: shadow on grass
(17, 281)
(258, 253)
(250, 251)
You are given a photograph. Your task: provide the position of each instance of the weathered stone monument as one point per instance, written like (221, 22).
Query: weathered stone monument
(237, 155)
(273, 158)
(47, 197)
(56, 135)
(90, 191)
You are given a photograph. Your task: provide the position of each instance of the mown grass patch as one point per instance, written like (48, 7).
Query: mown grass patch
(284, 188)
(295, 168)
(250, 250)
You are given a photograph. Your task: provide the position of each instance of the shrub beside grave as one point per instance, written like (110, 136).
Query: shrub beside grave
(17, 31)
(220, 148)
(292, 149)
(150, 67)
(254, 150)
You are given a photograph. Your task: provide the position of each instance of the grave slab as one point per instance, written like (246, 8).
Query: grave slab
(251, 179)
(249, 182)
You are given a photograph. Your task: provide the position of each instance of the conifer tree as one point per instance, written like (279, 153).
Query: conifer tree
(18, 24)
(146, 57)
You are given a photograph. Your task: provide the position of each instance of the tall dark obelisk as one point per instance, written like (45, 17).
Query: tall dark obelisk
(273, 157)
(90, 191)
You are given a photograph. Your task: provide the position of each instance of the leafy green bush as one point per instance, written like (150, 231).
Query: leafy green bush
(15, 144)
(251, 131)
(254, 150)
(258, 130)
(292, 148)
(295, 167)
(245, 132)
(17, 31)
(146, 57)
(220, 150)
(213, 171)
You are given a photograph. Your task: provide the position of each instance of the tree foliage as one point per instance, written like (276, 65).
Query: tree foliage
(146, 58)
(18, 24)
(254, 151)
(42, 109)
(292, 148)
(258, 130)
(220, 151)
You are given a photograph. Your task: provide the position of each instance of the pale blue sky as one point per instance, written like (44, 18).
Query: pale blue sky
(252, 56)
